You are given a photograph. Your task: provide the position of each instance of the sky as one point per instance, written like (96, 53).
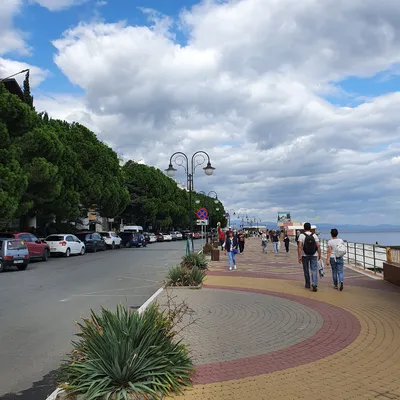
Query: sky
(296, 102)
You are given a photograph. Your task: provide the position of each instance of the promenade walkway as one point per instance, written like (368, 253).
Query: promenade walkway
(261, 335)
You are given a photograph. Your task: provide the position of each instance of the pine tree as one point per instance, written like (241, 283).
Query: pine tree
(28, 99)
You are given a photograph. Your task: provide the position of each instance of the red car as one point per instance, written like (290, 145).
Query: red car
(38, 249)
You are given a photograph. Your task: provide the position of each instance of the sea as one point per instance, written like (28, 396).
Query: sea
(384, 238)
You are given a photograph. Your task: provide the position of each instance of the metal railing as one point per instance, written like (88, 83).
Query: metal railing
(367, 256)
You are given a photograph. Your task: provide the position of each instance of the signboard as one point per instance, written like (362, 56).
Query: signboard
(202, 213)
(202, 222)
(284, 217)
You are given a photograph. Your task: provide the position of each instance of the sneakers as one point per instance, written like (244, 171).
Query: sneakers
(230, 269)
(341, 286)
(335, 287)
(314, 288)
(234, 267)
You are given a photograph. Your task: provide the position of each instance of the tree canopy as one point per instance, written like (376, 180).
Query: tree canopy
(57, 170)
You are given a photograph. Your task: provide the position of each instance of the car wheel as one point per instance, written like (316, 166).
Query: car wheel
(113, 246)
(68, 252)
(128, 245)
(45, 255)
(2, 267)
(94, 249)
(82, 252)
(22, 267)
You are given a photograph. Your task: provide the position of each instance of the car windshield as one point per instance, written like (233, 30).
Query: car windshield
(15, 245)
(54, 238)
(104, 234)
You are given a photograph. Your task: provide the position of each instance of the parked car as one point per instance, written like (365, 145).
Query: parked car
(130, 239)
(65, 244)
(179, 235)
(160, 237)
(112, 239)
(150, 237)
(196, 235)
(92, 240)
(38, 249)
(186, 234)
(13, 252)
(167, 237)
(173, 236)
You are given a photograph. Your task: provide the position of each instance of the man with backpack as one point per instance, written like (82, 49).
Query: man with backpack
(334, 257)
(309, 252)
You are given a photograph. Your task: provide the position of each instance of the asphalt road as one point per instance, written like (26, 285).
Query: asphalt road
(38, 307)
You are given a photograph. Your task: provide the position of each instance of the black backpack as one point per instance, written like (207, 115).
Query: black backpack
(309, 246)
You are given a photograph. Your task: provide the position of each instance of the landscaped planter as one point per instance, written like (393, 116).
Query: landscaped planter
(391, 273)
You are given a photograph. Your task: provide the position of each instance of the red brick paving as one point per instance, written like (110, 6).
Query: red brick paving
(339, 330)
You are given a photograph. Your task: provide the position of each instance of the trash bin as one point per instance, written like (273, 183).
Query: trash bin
(214, 255)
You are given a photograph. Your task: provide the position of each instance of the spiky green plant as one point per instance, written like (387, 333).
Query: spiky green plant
(197, 276)
(194, 260)
(123, 355)
(182, 276)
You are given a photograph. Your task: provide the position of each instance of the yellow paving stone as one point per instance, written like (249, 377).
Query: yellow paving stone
(368, 368)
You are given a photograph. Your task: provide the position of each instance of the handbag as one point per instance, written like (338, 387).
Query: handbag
(235, 251)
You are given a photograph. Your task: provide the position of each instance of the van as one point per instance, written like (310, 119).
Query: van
(132, 228)
(13, 252)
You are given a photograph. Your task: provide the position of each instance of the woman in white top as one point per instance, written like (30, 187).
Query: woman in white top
(337, 263)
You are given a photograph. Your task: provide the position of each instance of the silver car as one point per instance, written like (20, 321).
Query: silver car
(13, 253)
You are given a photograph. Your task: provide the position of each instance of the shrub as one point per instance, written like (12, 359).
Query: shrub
(125, 355)
(208, 247)
(182, 276)
(194, 260)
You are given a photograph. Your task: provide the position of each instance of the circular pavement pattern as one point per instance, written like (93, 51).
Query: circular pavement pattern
(339, 329)
(231, 325)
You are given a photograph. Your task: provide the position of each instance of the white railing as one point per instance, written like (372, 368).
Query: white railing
(367, 256)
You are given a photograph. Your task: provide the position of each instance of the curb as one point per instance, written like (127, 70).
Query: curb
(184, 287)
(53, 396)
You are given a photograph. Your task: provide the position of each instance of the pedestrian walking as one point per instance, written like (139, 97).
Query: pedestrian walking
(231, 247)
(309, 252)
(275, 241)
(221, 236)
(242, 241)
(334, 257)
(287, 242)
(264, 242)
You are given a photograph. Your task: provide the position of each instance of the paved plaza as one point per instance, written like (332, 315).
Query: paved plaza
(259, 334)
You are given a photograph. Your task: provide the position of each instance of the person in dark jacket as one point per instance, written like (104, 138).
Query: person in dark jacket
(286, 240)
(231, 245)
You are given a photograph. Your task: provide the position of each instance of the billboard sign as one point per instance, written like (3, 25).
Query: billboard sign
(284, 217)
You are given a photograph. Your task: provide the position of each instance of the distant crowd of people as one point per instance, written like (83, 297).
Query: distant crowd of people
(308, 251)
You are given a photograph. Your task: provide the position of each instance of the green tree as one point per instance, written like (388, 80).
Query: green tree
(28, 98)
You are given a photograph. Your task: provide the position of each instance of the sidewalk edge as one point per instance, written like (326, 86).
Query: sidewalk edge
(53, 396)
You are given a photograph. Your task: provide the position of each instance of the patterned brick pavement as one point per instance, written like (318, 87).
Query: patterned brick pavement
(261, 335)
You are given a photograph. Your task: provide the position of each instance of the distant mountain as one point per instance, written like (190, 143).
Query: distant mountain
(326, 227)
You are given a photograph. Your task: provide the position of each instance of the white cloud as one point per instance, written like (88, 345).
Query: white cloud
(10, 67)
(247, 87)
(57, 5)
(11, 39)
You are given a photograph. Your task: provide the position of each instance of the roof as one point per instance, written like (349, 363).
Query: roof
(299, 227)
(12, 86)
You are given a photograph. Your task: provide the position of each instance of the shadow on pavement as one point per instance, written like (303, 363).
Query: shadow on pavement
(39, 391)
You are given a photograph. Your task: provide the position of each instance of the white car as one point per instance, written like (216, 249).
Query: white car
(152, 237)
(112, 239)
(167, 237)
(179, 235)
(65, 244)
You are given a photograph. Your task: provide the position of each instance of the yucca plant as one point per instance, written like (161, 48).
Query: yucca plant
(194, 260)
(182, 276)
(125, 355)
(197, 276)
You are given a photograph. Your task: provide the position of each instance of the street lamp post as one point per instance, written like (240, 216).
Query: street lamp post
(230, 212)
(181, 160)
